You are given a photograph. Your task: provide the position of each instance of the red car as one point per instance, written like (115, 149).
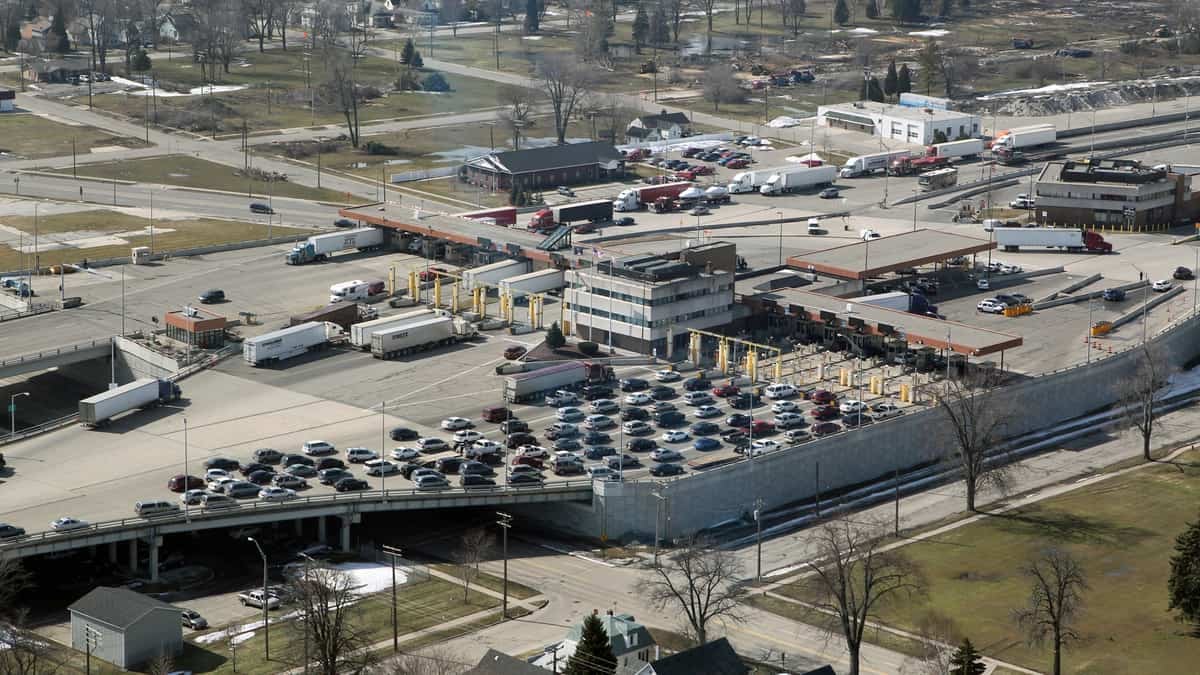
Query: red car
(690, 174)
(762, 427)
(737, 164)
(825, 428)
(176, 484)
(823, 397)
(725, 390)
(703, 170)
(825, 412)
(528, 461)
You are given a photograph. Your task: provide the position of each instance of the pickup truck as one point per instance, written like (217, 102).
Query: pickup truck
(255, 599)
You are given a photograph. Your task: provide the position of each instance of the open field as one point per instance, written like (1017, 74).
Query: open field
(490, 582)
(31, 137)
(1122, 530)
(169, 235)
(186, 171)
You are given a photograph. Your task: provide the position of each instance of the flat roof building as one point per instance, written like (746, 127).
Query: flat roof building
(907, 124)
(196, 327)
(1112, 193)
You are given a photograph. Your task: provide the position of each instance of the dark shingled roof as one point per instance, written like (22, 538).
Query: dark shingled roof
(557, 157)
(823, 670)
(118, 607)
(652, 121)
(713, 658)
(499, 663)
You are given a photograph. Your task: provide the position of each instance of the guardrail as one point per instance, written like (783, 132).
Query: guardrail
(40, 308)
(57, 351)
(248, 507)
(42, 428)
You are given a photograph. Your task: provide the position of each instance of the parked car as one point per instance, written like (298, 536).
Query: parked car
(824, 412)
(474, 480)
(11, 531)
(638, 398)
(211, 296)
(525, 479)
(359, 455)
(825, 428)
(301, 470)
(276, 494)
(331, 476)
(403, 434)
(221, 463)
(1161, 286)
(829, 193)
(216, 501)
(599, 451)
(632, 414)
(675, 436)
(431, 482)
(633, 384)
(662, 393)
(182, 483)
(513, 426)
(1113, 295)
(797, 435)
(885, 410)
(318, 448)
(430, 444)
(604, 406)
(351, 484)
(286, 480)
(261, 477)
(267, 456)
(663, 469)
(640, 444)
(192, 619)
(456, 423)
(514, 352)
(823, 397)
(617, 462)
(636, 428)
(329, 463)
(1183, 274)
(705, 428)
(990, 306)
(294, 458)
(779, 390)
(257, 598)
(381, 467)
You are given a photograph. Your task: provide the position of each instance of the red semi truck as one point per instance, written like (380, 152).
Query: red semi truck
(506, 216)
(548, 219)
(634, 199)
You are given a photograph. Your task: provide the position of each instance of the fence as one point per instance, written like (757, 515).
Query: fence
(409, 176)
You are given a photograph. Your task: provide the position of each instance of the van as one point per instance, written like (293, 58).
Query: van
(154, 508)
(495, 413)
(355, 290)
(814, 226)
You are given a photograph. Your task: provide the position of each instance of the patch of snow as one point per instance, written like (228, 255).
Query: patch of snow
(371, 577)
(1048, 89)
(531, 37)
(239, 639)
(933, 32)
(783, 122)
(810, 157)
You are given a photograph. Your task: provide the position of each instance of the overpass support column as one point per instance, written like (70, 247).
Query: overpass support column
(154, 543)
(345, 533)
(299, 525)
(112, 552)
(133, 555)
(321, 529)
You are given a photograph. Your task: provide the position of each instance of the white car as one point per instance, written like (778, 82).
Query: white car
(215, 474)
(779, 390)
(535, 451)
(218, 484)
(456, 423)
(484, 445)
(797, 435)
(882, 411)
(990, 306)
(355, 455)
(707, 411)
(381, 467)
(467, 436)
(675, 436)
(318, 448)
(68, 523)
(666, 375)
(1161, 285)
(851, 405)
(784, 407)
(597, 422)
(698, 398)
(788, 420)
(638, 398)
(635, 427)
(1005, 268)
(983, 284)
(276, 494)
(431, 444)
(405, 454)
(569, 414)
(765, 445)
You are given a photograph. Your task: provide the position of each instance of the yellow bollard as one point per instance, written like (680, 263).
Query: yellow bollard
(454, 300)
(414, 291)
(779, 369)
(723, 356)
(843, 377)
(906, 393)
(391, 281)
(437, 291)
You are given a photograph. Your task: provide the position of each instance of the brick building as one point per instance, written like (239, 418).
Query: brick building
(537, 169)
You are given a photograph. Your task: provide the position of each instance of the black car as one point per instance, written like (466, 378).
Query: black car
(404, 434)
(666, 469)
(1183, 274)
(696, 384)
(567, 444)
(332, 476)
(289, 460)
(11, 531)
(734, 436)
(1113, 294)
(856, 420)
(640, 444)
(634, 414)
(223, 463)
(350, 484)
(250, 467)
(475, 480)
(705, 428)
(662, 393)
(259, 207)
(625, 220)
(301, 470)
(525, 479)
(596, 438)
(261, 477)
(329, 463)
(593, 392)
(513, 426)
(745, 401)
(408, 468)
(212, 295)
(1006, 300)
(633, 384)
(477, 468)
(267, 456)
(670, 418)
(738, 420)
(600, 451)
(448, 464)
(519, 439)
(344, 222)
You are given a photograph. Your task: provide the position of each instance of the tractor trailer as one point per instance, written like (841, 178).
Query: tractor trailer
(795, 178)
(913, 303)
(1009, 143)
(490, 275)
(419, 334)
(289, 342)
(635, 199)
(1014, 238)
(344, 314)
(320, 246)
(360, 333)
(97, 410)
(969, 147)
(865, 165)
(749, 181)
(564, 214)
(533, 283)
(527, 386)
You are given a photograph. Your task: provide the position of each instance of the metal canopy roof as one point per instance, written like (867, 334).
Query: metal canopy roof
(865, 259)
(920, 330)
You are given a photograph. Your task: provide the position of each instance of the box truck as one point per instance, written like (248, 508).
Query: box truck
(321, 246)
(288, 342)
(548, 219)
(356, 290)
(864, 165)
(635, 199)
(969, 147)
(490, 275)
(914, 303)
(527, 386)
(1014, 238)
(95, 411)
(796, 178)
(360, 333)
(419, 334)
(534, 282)
(344, 314)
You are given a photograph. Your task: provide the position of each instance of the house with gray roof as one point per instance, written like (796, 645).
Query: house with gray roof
(712, 658)
(536, 169)
(631, 643)
(660, 127)
(125, 628)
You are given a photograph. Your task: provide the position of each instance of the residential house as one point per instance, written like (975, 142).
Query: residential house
(177, 26)
(124, 627)
(713, 658)
(498, 663)
(535, 169)
(35, 30)
(61, 70)
(660, 127)
(631, 643)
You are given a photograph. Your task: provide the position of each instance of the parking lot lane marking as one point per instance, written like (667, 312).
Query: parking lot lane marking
(468, 371)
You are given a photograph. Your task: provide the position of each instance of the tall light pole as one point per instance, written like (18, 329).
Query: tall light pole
(383, 444)
(659, 499)
(307, 608)
(758, 506)
(505, 523)
(393, 553)
(265, 603)
(186, 502)
(1145, 297)
(12, 412)
(780, 215)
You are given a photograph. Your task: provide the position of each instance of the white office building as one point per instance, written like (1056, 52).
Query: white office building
(646, 303)
(918, 126)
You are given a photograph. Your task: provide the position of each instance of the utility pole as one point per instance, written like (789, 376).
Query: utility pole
(758, 506)
(659, 499)
(817, 481)
(505, 523)
(393, 553)
(896, 482)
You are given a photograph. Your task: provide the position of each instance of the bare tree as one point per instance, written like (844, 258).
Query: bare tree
(472, 548)
(708, 7)
(976, 414)
(14, 579)
(1142, 392)
(431, 661)
(722, 86)
(939, 635)
(852, 577)
(336, 642)
(958, 67)
(451, 12)
(24, 652)
(100, 16)
(516, 112)
(591, 38)
(261, 15)
(1055, 598)
(566, 81)
(702, 581)
(675, 13)
(162, 664)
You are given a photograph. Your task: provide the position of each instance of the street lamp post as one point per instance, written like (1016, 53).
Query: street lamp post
(780, 215)
(12, 412)
(265, 603)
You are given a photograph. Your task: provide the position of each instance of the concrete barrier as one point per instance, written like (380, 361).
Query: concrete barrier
(1071, 288)
(1046, 304)
(1146, 307)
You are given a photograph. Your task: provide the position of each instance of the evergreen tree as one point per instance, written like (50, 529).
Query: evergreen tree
(416, 61)
(841, 13)
(531, 16)
(141, 61)
(12, 38)
(966, 660)
(874, 91)
(903, 80)
(593, 655)
(906, 10)
(892, 80)
(59, 42)
(406, 52)
(1183, 586)
(641, 28)
(965, 4)
(514, 198)
(556, 339)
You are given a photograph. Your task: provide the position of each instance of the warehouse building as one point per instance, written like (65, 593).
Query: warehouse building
(1113, 193)
(906, 124)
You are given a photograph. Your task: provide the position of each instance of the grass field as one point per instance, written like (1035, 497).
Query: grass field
(184, 234)
(1122, 530)
(490, 582)
(187, 171)
(27, 136)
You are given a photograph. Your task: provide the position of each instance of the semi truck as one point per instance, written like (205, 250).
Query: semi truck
(533, 282)
(1014, 238)
(938, 179)
(356, 290)
(749, 181)
(635, 199)
(528, 386)
(490, 275)
(360, 333)
(1008, 144)
(913, 303)
(665, 205)
(968, 147)
(564, 214)
(320, 246)
(690, 197)
(289, 342)
(907, 166)
(796, 178)
(864, 165)
(96, 411)
(344, 314)
(419, 334)
(505, 216)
